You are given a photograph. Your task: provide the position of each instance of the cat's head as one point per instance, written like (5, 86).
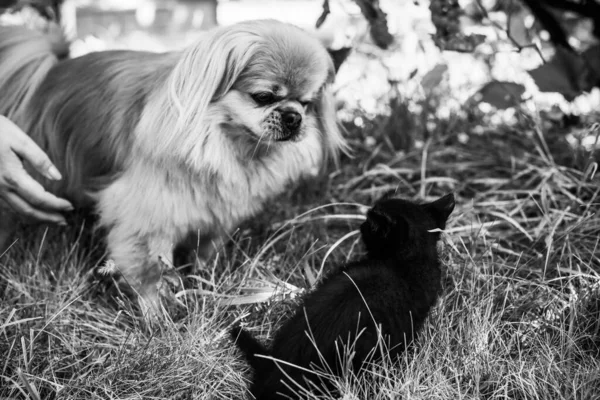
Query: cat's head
(395, 225)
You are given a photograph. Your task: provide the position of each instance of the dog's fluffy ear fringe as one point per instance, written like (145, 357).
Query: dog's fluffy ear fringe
(334, 141)
(175, 113)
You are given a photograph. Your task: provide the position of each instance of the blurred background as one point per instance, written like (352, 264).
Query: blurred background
(497, 101)
(409, 67)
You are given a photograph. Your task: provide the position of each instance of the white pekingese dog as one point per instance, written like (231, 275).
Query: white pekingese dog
(164, 145)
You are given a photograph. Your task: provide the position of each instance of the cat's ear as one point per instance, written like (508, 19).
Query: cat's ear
(441, 209)
(377, 225)
(380, 226)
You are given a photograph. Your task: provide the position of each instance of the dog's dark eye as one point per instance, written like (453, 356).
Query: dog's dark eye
(305, 103)
(263, 98)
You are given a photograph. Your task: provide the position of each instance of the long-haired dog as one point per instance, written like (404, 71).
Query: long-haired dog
(165, 145)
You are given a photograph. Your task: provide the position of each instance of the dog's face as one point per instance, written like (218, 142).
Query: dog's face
(277, 96)
(259, 82)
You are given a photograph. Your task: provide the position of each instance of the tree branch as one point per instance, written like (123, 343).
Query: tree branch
(519, 46)
(324, 14)
(377, 21)
(557, 33)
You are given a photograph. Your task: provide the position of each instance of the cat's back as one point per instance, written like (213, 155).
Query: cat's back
(359, 292)
(335, 303)
(386, 291)
(370, 280)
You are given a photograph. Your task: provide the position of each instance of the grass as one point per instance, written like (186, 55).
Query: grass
(519, 317)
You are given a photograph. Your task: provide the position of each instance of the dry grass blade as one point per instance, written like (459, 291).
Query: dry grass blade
(31, 390)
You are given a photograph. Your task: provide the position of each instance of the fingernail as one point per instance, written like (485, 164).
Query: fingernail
(54, 174)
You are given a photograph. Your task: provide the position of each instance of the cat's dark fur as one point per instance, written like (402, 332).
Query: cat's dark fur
(394, 287)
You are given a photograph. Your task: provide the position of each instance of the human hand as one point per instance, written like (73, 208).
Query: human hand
(18, 189)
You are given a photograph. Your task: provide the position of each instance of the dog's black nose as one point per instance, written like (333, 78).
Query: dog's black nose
(291, 120)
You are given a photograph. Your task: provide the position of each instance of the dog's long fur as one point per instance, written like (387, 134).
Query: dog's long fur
(164, 145)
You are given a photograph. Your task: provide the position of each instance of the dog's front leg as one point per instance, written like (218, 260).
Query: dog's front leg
(141, 261)
(207, 246)
(201, 247)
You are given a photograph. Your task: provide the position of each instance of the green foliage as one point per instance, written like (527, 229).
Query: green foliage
(571, 71)
(568, 73)
(501, 95)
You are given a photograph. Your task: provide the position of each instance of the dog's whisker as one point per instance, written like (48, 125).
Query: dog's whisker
(257, 144)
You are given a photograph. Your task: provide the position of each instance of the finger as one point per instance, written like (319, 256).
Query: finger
(25, 147)
(35, 194)
(24, 209)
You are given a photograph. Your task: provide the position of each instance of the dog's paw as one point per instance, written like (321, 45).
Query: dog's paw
(160, 303)
(170, 281)
(168, 286)
(150, 305)
(155, 289)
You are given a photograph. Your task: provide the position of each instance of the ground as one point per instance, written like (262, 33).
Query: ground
(519, 316)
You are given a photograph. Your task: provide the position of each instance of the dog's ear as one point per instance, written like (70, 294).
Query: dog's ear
(208, 69)
(333, 141)
(174, 117)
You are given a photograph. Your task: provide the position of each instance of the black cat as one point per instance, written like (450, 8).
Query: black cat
(392, 289)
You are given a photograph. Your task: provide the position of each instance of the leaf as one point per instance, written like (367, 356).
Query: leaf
(501, 94)
(592, 56)
(592, 60)
(518, 29)
(413, 73)
(377, 22)
(459, 42)
(568, 73)
(324, 13)
(339, 56)
(433, 77)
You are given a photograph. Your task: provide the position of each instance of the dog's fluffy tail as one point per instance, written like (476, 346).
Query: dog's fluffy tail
(26, 56)
(249, 346)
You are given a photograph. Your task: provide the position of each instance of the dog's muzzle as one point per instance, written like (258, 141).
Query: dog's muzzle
(283, 125)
